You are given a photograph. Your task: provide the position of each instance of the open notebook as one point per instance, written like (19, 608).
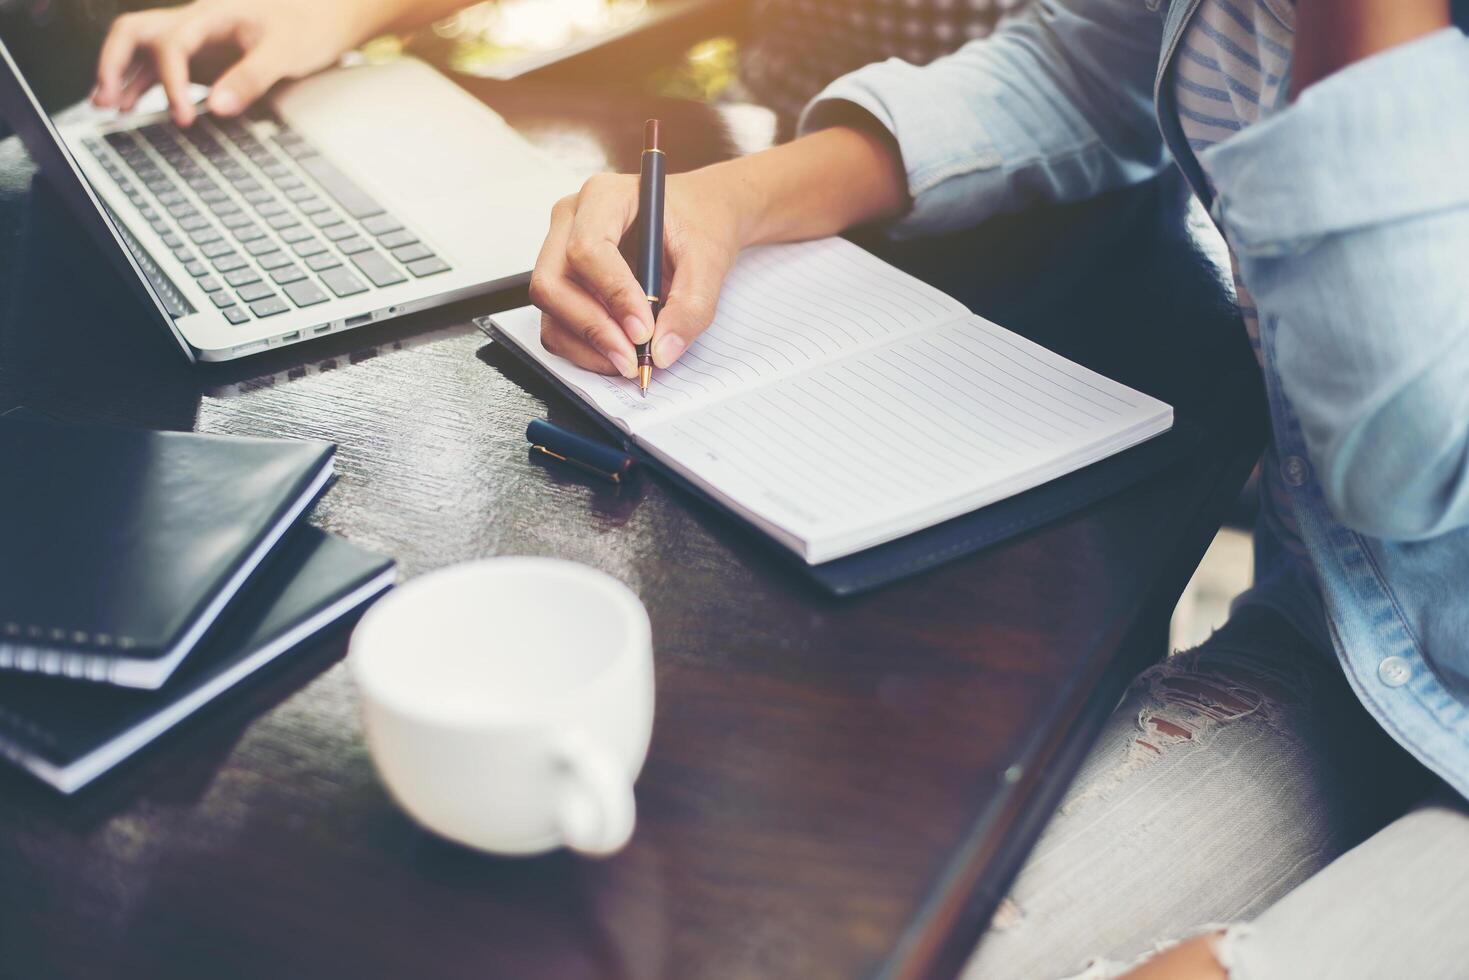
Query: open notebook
(838, 403)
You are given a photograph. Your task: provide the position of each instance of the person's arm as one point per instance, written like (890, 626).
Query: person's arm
(1056, 105)
(268, 40)
(593, 308)
(1349, 212)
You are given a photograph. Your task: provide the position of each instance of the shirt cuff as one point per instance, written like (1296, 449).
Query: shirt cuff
(936, 147)
(1383, 139)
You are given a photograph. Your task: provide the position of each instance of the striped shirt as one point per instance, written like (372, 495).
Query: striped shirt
(1233, 69)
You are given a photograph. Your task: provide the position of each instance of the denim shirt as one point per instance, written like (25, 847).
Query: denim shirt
(1348, 212)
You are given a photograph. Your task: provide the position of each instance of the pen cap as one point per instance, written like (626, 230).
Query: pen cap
(589, 452)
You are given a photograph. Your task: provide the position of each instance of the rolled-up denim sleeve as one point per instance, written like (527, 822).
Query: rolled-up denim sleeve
(1056, 105)
(1349, 214)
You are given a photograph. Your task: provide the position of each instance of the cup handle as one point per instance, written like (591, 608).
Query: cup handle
(595, 810)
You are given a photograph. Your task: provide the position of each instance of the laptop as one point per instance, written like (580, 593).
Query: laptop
(350, 197)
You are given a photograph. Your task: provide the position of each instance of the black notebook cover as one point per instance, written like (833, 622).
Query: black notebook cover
(120, 547)
(69, 733)
(932, 546)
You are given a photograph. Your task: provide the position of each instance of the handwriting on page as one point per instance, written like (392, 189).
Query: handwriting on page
(785, 308)
(900, 428)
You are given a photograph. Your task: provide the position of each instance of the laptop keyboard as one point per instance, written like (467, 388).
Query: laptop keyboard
(261, 220)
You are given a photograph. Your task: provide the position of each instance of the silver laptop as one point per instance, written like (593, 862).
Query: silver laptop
(344, 199)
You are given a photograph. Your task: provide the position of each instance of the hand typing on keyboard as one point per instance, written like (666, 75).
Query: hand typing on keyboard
(261, 41)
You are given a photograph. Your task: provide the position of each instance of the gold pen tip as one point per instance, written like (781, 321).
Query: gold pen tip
(645, 377)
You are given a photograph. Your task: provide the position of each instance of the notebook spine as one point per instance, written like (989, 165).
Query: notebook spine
(36, 659)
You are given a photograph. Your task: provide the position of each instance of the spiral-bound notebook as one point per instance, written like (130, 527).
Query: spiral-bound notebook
(122, 546)
(838, 403)
(68, 733)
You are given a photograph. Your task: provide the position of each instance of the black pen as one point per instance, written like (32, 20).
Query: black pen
(650, 239)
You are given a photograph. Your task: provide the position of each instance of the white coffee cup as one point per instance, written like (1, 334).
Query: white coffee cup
(508, 703)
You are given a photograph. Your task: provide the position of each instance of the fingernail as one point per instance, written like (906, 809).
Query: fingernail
(625, 364)
(637, 330)
(223, 101)
(668, 349)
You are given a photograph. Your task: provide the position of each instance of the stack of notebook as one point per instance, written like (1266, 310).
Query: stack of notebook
(144, 573)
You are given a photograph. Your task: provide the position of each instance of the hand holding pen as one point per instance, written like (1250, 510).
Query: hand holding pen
(594, 308)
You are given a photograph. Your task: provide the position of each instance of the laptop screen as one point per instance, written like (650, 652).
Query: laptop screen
(55, 43)
(48, 55)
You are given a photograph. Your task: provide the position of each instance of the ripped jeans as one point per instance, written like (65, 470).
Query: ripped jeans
(1241, 786)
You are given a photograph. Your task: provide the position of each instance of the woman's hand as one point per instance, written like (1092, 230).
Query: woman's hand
(594, 310)
(263, 41)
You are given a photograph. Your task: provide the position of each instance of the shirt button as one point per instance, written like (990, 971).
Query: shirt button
(1294, 470)
(1394, 671)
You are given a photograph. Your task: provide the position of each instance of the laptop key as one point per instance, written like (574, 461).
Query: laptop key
(283, 220)
(309, 247)
(209, 284)
(323, 219)
(342, 282)
(252, 292)
(324, 260)
(238, 219)
(248, 233)
(213, 250)
(412, 253)
(194, 222)
(260, 246)
(269, 307)
(224, 207)
(222, 299)
(305, 293)
(235, 315)
(241, 277)
(196, 268)
(397, 239)
(428, 267)
(295, 233)
(259, 197)
(288, 273)
(205, 235)
(172, 240)
(301, 193)
(338, 232)
(312, 205)
(354, 199)
(353, 245)
(378, 269)
(171, 197)
(381, 224)
(183, 254)
(230, 261)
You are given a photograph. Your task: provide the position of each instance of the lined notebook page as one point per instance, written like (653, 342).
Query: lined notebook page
(783, 309)
(902, 436)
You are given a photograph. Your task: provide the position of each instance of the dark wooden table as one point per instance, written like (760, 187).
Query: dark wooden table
(835, 788)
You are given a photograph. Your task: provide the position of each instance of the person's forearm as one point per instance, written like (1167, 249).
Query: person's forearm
(815, 186)
(1331, 35)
